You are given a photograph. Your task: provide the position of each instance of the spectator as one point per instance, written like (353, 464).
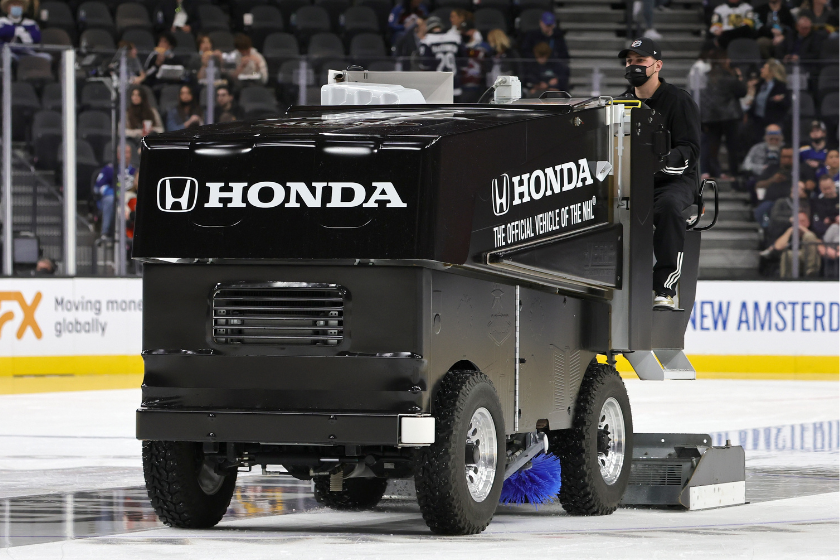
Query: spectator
(44, 267)
(162, 62)
(475, 51)
(645, 9)
(763, 154)
(505, 56)
(732, 20)
(250, 64)
(698, 74)
(817, 11)
(771, 98)
(547, 33)
(775, 183)
(404, 17)
(829, 249)
(15, 27)
(171, 15)
(824, 207)
(801, 45)
(832, 163)
(135, 71)
(439, 51)
(408, 45)
(105, 190)
(809, 255)
(206, 52)
(544, 74)
(776, 19)
(141, 117)
(459, 16)
(186, 114)
(814, 153)
(226, 109)
(720, 113)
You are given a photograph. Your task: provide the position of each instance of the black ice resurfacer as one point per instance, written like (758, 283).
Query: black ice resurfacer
(359, 293)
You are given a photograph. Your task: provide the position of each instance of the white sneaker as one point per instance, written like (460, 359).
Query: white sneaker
(664, 302)
(652, 34)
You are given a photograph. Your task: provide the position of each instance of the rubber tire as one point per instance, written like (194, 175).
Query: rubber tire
(170, 469)
(359, 493)
(442, 493)
(583, 490)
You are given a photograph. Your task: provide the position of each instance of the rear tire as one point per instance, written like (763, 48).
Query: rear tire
(457, 499)
(593, 482)
(359, 493)
(183, 488)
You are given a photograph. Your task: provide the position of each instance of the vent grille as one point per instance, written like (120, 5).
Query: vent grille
(279, 314)
(655, 474)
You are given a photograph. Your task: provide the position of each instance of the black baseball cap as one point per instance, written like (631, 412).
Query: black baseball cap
(643, 46)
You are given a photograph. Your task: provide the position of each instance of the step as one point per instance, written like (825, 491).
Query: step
(730, 239)
(599, 14)
(723, 264)
(732, 211)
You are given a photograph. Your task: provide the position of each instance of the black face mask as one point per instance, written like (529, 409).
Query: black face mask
(636, 74)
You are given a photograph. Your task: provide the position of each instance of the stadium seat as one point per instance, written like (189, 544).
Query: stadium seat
(222, 40)
(35, 70)
(238, 9)
(95, 95)
(186, 42)
(463, 4)
(267, 20)
(108, 151)
(51, 98)
(95, 15)
(169, 97)
(95, 127)
(503, 6)
(744, 53)
(86, 165)
(132, 15)
(443, 14)
(829, 49)
(289, 79)
(56, 36)
(828, 80)
(488, 19)
(310, 20)
(288, 8)
(325, 45)
(829, 112)
(25, 103)
(334, 8)
(541, 5)
(529, 20)
(47, 134)
(359, 19)
(382, 66)
(212, 18)
(277, 49)
(382, 8)
(807, 109)
(93, 40)
(258, 101)
(142, 39)
(366, 48)
(58, 16)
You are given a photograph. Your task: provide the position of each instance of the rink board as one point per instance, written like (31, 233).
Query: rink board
(79, 326)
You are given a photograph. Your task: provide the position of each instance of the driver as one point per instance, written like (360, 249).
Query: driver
(675, 185)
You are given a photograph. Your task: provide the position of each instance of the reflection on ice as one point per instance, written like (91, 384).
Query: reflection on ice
(805, 437)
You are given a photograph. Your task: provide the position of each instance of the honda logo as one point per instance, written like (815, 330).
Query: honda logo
(501, 194)
(177, 194)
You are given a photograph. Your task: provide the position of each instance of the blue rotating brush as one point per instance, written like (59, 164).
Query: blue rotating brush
(538, 484)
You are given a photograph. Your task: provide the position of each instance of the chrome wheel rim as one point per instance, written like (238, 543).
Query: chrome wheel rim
(208, 480)
(480, 454)
(612, 440)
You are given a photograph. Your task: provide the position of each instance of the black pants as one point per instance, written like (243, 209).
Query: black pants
(669, 202)
(713, 132)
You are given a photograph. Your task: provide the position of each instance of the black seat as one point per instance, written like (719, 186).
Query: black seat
(366, 48)
(25, 103)
(58, 16)
(95, 127)
(95, 15)
(310, 20)
(488, 19)
(258, 101)
(267, 20)
(56, 36)
(334, 8)
(830, 49)
(186, 42)
(132, 15)
(463, 4)
(288, 8)
(325, 45)
(541, 5)
(212, 18)
(382, 9)
(35, 70)
(142, 39)
(97, 40)
(443, 14)
(86, 165)
(382, 66)
(807, 108)
(828, 112)
(503, 6)
(97, 96)
(828, 80)
(222, 40)
(744, 53)
(359, 19)
(169, 97)
(529, 20)
(277, 49)
(51, 98)
(47, 134)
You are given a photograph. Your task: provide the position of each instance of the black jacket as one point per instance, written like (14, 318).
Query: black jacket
(765, 16)
(681, 117)
(720, 99)
(775, 112)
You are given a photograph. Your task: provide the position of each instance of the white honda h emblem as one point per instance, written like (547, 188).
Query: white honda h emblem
(177, 194)
(501, 194)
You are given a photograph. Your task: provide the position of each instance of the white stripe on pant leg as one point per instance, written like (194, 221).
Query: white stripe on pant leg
(675, 276)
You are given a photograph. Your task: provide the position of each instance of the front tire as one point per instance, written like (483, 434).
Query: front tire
(595, 454)
(184, 489)
(459, 477)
